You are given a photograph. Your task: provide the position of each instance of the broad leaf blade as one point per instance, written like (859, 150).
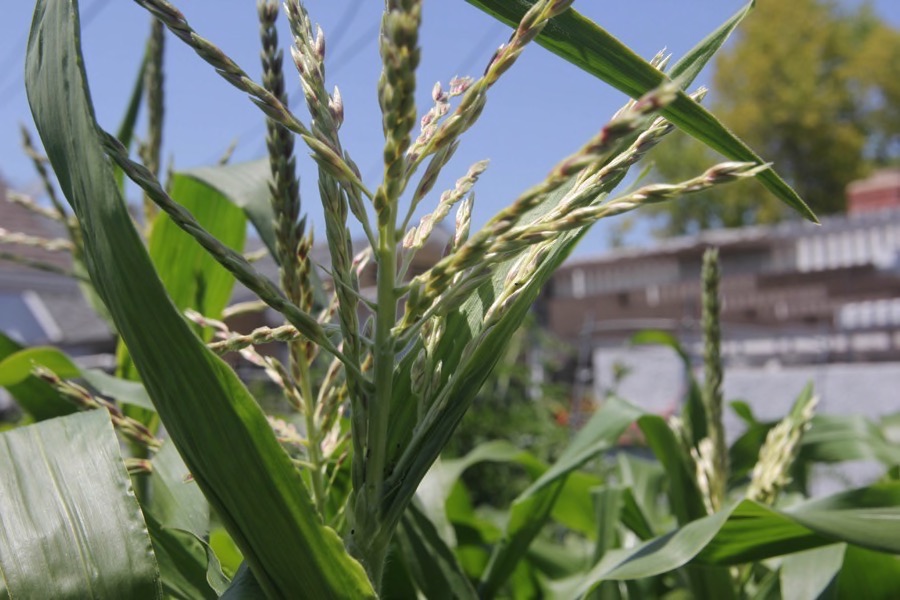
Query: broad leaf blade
(586, 45)
(193, 278)
(34, 396)
(246, 185)
(70, 525)
(15, 372)
(178, 518)
(216, 425)
(685, 500)
(183, 563)
(869, 575)
(847, 437)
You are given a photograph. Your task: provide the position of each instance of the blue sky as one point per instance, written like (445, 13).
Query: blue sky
(541, 110)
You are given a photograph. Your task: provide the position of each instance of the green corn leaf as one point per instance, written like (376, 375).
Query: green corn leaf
(807, 575)
(744, 452)
(175, 500)
(184, 562)
(44, 402)
(645, 482)
(70, 525)
(555, 561)
(191, 276)
(531, 509)
(685, 498)
(244, 586)
(610, 501)
(573, 509)
(635, 518)
(591, 48)
(246, 185)
(214, 422)
(122, 390)
(178, 518)
(17, 367)
(431, 563)
(35, 397)
(833, 439)
(748, 531)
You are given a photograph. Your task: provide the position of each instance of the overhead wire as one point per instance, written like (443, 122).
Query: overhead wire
(356, 46)
(17, 54)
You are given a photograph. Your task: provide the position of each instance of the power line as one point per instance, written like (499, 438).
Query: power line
(481, 48)
(17, 54)
(358, 44)
(343, 24)
(354, 48)
(478, 50)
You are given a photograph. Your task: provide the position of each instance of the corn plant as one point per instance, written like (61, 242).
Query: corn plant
(377, 384)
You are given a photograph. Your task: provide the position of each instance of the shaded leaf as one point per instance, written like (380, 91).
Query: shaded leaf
(178, 516)
(806, 575)
(685, 499)
(869, 575)
(244, 586)
(182, 562)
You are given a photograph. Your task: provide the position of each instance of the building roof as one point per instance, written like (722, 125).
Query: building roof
(740, 238)
(43, 307)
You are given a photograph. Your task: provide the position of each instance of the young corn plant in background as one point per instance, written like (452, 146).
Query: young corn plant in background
(377, 384)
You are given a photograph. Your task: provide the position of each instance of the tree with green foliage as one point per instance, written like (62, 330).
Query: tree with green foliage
(813, 85)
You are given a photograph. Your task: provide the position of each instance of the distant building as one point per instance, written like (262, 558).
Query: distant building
(39, 307)
(796, 292)
(800, 303)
